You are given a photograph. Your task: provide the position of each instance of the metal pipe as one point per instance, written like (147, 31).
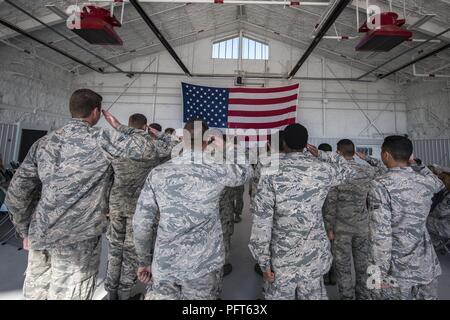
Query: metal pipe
(422, 57)
(61, 34)
(67, 55)
(335, 13)
(428, 75)
(159, 35)
(403, 53)
(268, 2)
(248, 76)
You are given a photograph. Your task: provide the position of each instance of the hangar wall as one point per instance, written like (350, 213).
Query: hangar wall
(330, 109)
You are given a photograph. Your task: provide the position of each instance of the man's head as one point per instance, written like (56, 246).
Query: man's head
(325, 147)
(346, 148)
(155, 129)
(295, 138)
(169, 130)
(190, 127)
(396, 151)
(87, 105)
(138, 121)
(156, 126)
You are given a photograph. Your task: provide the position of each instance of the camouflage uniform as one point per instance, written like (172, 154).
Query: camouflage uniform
(400, 248)
(345, 214)
(238, 200)
(72, 166)
(438, 222)
(227, 219)
(288, 233)
(182, 198)
(129, 178)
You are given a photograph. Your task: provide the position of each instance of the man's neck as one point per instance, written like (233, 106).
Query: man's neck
(397, 165)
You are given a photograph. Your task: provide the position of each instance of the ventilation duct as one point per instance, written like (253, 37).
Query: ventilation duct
(97, 26)
(387, 36)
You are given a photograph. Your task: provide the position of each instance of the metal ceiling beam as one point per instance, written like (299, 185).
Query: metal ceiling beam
(61, 52)
(159, 35)
(422, 57)
(334, 14)
(61, 34)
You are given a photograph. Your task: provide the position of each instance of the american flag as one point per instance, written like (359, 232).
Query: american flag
(241, 108)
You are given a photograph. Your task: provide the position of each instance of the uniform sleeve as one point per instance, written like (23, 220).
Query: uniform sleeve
(24, 192)
(380, 230)
(329, 209)
(145, 223)
(123, 142)
(236, 175)
(164, 145)
(434, 182)
(261, 235)
(341, 172)
(377, 165)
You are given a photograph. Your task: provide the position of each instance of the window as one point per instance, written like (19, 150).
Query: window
(251, 49)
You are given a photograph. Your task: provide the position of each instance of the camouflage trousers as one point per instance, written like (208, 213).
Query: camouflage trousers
(122, 259)
(239, 200)
(344, 248)
(204, 288)
(63, 273)
(288, 287)
(407, 292)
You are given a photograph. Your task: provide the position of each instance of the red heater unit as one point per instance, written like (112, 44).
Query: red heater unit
(383, 39)
(97, 26)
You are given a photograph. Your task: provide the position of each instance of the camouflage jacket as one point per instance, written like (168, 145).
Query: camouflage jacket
(71, 166)
(130, 175)
(439, 219)
(182, 197)
(288, 229)
(345, 208)
(399, 202)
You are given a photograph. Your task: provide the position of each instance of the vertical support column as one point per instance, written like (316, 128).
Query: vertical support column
(323, 96)
(156, 89)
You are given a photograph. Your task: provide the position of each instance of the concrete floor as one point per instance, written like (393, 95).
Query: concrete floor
(243, 283)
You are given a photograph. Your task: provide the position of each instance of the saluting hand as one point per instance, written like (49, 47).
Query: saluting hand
(361, 155)
(313, 150)
(111, 119)
(145, 274)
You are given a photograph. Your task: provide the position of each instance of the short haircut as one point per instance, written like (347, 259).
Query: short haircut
(400, 147)
(295, 136)
(325, 147)
(137, 121)
(83, 102)
(169, 130)
(156, 126)
(189, 126)
(346, 147)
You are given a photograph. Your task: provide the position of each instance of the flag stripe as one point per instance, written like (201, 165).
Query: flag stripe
(270, 95)
(261, 125)
(262, 101)
(246, 107)
(261, 119)
(264, 90)
(266, 113)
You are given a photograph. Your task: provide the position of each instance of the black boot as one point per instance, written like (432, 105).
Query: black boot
(227, 268)
(237, 219)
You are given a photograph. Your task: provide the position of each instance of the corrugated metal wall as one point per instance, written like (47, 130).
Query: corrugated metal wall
(8, 142)
(433, 151)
